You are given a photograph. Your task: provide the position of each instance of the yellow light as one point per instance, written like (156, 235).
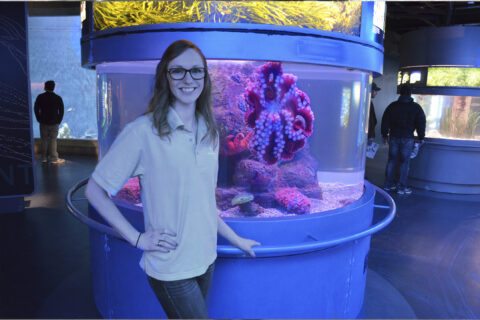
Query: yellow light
(338, 16)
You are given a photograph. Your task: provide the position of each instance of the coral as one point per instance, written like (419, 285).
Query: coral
(251, 209)
(229, 118)
(130, 192)
(293, 200)
(229, 81)
(313, 192)
(231, 145)
(279, 113)
(300, 172)
(255, 175)
(266, 199)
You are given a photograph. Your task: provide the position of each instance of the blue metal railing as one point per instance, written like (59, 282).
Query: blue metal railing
(230, 251)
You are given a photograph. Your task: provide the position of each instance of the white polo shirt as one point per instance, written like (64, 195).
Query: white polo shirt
(178, 177)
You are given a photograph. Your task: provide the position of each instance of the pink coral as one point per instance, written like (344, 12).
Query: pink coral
(130, 192)
(279, 113)
(231, 145)
(293, 200)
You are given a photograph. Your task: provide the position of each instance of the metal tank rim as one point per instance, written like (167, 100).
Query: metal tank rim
(268, 251)
(238, 41)
(461, 145)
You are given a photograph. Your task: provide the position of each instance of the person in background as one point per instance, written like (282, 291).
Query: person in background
(173, 150)
(372, 118)
(49, 113)
(399, 121)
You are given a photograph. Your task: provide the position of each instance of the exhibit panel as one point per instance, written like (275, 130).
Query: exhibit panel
(17, 176)
(290, 99)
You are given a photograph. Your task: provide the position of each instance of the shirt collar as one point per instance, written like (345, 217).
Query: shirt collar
(174, 121)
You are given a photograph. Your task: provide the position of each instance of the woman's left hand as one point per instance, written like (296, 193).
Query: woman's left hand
(246, 245)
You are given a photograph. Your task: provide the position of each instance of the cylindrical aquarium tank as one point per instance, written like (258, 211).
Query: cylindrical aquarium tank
(322, 168)
(442, 66)
(291, 87)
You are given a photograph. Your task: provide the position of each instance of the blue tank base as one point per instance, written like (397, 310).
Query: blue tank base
(448, 166)
(326, 283)
(310, 279)
(363, 312)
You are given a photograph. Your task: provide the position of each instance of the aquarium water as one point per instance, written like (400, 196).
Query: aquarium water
(292, 136)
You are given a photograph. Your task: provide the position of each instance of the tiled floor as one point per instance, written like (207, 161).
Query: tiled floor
(426, 264)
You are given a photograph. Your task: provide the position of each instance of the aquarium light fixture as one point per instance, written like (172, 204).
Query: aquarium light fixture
(83, 12)
(338, 16)
(415, 76)
(379, 15)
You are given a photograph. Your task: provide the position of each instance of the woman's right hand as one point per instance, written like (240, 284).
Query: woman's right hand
(157, 240)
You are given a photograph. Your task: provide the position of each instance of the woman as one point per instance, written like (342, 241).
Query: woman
(173, 150)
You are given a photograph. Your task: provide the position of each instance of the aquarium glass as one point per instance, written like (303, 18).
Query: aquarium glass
(292, 136)
(54, 54)
(451, 117)
(338, 16)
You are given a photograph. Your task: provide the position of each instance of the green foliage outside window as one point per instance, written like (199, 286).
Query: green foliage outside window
(453, 77)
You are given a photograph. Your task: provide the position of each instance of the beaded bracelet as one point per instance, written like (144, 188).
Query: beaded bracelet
(136, 244)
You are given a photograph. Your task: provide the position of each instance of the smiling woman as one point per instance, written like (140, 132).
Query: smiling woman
(173, 150)
(184, 86)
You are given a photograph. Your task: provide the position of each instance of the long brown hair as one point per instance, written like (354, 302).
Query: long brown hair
(163, 98)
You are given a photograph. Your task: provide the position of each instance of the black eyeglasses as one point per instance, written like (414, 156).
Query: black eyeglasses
(179, 73)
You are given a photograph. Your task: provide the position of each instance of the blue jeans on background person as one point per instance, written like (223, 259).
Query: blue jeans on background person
(398, 148)
(184, 299)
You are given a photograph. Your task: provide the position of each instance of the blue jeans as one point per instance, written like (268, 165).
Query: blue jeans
(184, 299)
(398, 148)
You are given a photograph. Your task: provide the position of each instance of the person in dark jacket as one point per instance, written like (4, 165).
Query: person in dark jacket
(49, 113)
(372, 118)
(399, 121)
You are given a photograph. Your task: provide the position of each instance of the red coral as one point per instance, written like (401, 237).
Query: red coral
(293, 200)
(231, 145)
